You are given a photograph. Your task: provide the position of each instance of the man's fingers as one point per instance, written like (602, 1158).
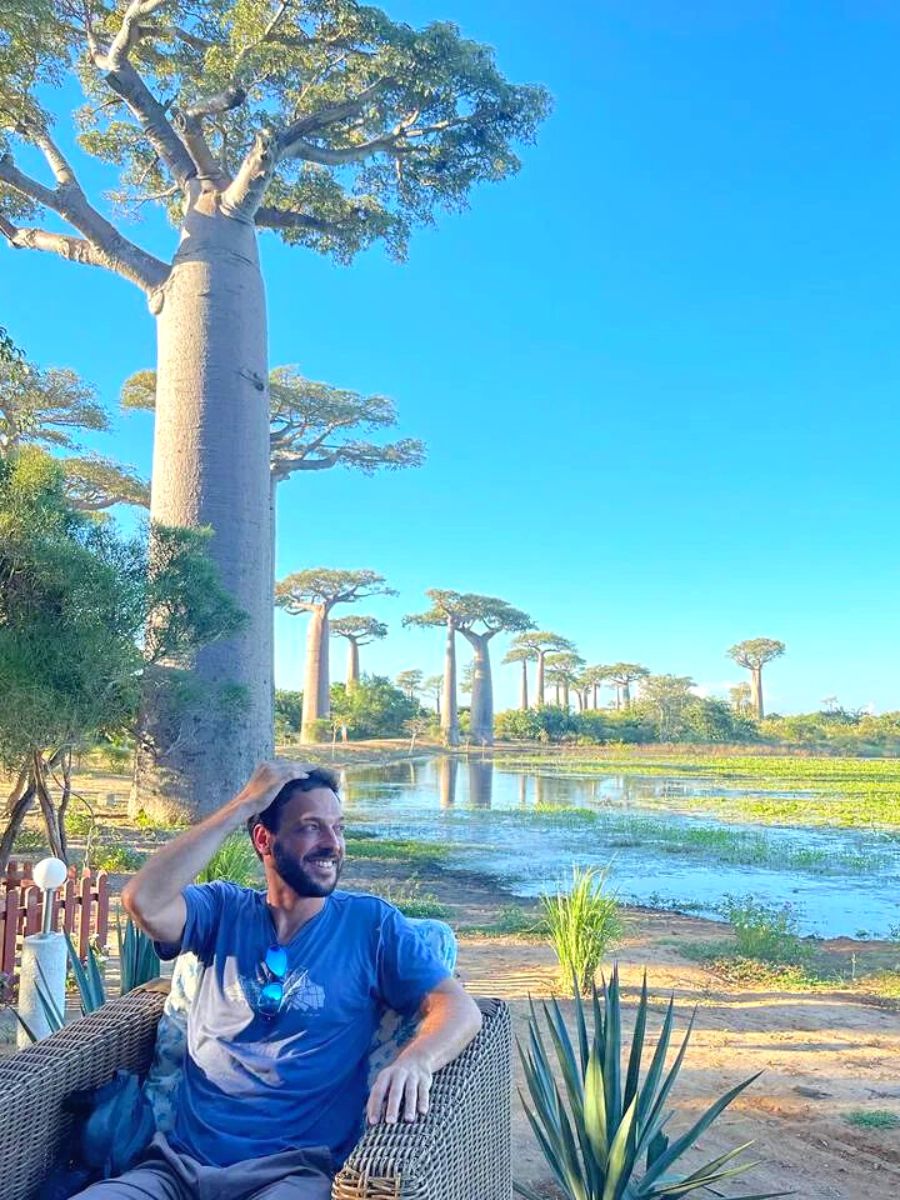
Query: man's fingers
(411, 1106)
(424, 1095)
(376, 1099)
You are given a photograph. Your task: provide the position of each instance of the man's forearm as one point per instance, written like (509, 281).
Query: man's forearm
(449, 1022)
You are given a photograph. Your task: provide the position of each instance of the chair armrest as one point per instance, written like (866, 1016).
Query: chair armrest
(35, 1083)
(461, 1149)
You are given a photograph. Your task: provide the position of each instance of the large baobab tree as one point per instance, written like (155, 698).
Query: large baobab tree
(359, 631)
(753, 655)
(52, 409)
(321, 120)
(623, 675)
(522, 655)
(317, 591)
(481, 619)
(563, 671)
(540, 644)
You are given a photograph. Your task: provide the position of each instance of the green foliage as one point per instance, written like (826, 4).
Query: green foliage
(756, 652)
(235, 860)
(79, 821)
(29, 840)
(601, 1129)
(764, 931)
(545, 724)
(413, 902)
(138, 960)
(371, 126)
(695, 719)
(115, 857)
(288, 714)
(584, 924)
(374, 708)
(364, 845)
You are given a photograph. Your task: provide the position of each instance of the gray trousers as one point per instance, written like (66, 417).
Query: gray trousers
(164, 1174)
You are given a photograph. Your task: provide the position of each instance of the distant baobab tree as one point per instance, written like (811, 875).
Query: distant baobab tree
(316, 592)
(432, 688)
(739, 696)
(409, 682)
(623, 675)
(562, 672)
(359, 631)
(591, 680)
(523, 655)
(479, 619)
(753, 655)
(540, 643)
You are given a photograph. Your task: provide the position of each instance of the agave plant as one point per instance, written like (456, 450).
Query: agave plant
(604, 1138)
(138, 960)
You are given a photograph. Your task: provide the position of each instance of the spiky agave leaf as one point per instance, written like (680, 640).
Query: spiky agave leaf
(612, 1126)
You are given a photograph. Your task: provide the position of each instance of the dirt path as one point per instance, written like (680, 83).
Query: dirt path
(822, 1054)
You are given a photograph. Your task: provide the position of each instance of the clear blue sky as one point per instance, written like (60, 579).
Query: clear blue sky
(657, 372)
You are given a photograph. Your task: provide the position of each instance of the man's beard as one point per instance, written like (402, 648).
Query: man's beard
(297, 877)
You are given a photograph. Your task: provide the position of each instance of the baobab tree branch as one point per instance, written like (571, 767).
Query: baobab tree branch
(189, 128)
(328, 115)
(269, 217)
(102, 246)
(335, 157)
(122, 78)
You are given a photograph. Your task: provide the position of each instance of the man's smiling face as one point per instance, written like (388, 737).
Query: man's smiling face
(307, 848)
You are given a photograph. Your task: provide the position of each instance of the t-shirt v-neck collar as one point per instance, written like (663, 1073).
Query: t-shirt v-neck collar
(298, 933)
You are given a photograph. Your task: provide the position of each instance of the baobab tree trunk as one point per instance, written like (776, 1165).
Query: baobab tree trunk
(567, 703)
(523, 691)
(352, 663)
(626, 695)
(211, 468)
(450, 715)
(596, 695)
(556, 695)
(539, 681)
(481, 720)
(756, 694)
(580, 699)
(310, 728)
(325, 670)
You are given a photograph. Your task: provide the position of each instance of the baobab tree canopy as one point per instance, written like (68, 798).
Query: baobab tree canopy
(351, 127)
(756, 652)
(51, 409)
(313, 426)
(361, 630)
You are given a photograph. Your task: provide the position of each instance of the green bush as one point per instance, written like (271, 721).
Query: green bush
(374, 708)
(767, 932)
(235, 860)
(115, 858)
(583, 924)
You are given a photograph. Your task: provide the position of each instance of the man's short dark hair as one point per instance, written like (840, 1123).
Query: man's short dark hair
(318, 777)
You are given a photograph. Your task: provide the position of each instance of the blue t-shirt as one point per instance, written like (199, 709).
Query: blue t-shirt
(256, 1084)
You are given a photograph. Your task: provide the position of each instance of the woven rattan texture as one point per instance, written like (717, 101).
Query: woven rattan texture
(461, 1149)
(34, 1084)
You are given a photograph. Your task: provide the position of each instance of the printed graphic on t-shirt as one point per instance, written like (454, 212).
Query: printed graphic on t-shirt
(300, 992)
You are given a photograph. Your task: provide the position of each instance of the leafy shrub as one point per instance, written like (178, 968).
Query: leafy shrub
(413, 902)
(115, 858)
(235, 860)
(79, 821)
(583, 925)
(764, 931)
(29, 840)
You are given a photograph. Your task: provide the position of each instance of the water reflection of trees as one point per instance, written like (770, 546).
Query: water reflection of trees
(481, 782)
(448, 769)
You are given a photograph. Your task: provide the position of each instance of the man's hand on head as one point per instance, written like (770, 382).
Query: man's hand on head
(401, 1091)
(266, 782)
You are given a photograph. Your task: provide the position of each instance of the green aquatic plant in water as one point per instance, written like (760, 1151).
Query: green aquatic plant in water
(601, 1129)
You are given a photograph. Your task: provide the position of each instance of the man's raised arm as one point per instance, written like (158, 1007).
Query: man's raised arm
(153, 897)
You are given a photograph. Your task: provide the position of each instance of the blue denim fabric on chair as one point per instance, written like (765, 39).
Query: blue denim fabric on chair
(165, 1074)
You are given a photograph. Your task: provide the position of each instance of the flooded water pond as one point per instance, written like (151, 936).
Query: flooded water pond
(528, 828)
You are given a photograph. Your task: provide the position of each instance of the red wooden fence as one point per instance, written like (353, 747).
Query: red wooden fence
(80, 907)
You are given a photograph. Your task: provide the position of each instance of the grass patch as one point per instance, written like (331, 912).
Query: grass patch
(115, 858)
(766, 932)
(413, 902)
(872, 1118)
(513, 921)
(235, 860)
(394, 849)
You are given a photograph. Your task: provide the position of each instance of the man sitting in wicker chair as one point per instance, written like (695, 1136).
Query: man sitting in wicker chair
(273, 1094)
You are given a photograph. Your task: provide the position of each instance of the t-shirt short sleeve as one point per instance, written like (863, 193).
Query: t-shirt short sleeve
(205, 903)
(407, 967)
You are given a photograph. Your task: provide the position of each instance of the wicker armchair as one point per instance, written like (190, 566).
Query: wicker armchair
(459, 1151)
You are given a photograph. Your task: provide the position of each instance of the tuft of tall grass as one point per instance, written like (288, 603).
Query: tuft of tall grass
(767, 932)
(235, 860)
(584, 924)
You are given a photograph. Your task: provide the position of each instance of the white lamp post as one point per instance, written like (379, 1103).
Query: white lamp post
(43, 958)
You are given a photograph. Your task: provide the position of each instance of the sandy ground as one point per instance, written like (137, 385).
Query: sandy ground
(822, 1054)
